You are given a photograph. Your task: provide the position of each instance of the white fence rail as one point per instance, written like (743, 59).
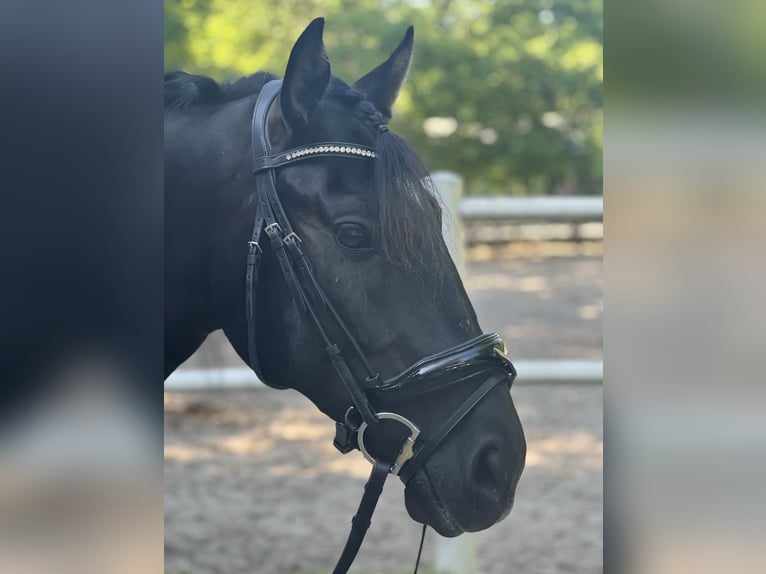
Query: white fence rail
(568, 209)
(530, 372)
(490, 220)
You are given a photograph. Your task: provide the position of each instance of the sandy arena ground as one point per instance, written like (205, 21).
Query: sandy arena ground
(253, 484)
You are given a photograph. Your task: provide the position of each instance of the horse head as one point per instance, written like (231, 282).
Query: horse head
(361, 273)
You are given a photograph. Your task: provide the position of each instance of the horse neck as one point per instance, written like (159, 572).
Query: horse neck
(202, 195)
(188, 309)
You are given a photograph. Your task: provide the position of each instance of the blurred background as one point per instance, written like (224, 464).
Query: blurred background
(504, 104)
(685, 327)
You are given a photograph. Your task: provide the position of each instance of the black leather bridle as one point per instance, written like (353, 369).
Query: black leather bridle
(469, 361)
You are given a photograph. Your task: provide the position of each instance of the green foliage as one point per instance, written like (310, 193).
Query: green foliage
(505, 92)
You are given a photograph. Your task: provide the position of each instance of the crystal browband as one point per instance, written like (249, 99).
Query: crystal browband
(330, 149)
(314, 150)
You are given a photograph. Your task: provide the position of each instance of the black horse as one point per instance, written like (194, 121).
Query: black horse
(370, 227)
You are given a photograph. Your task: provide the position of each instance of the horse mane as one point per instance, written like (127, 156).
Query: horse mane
(184, 90)
(409, 211)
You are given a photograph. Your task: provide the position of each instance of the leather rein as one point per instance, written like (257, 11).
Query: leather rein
(464, 362)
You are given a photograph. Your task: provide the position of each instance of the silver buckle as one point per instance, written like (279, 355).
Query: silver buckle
(292, 235)
(407, 450)
(255, 244)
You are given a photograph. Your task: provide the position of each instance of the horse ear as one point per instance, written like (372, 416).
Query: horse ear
(306, 77)
(382, 85)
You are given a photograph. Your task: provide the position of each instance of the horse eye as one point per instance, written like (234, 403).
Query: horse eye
(353, 236)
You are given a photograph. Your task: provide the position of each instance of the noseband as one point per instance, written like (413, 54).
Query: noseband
(466, 362)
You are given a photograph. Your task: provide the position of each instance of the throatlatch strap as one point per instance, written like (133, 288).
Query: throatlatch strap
(254, 253)
(363, 517)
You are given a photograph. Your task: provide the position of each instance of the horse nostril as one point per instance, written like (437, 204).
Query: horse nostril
(489, 471)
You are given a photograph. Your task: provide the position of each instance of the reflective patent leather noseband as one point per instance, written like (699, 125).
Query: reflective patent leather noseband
(466, 362)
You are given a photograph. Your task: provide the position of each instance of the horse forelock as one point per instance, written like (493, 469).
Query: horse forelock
(409, 210)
